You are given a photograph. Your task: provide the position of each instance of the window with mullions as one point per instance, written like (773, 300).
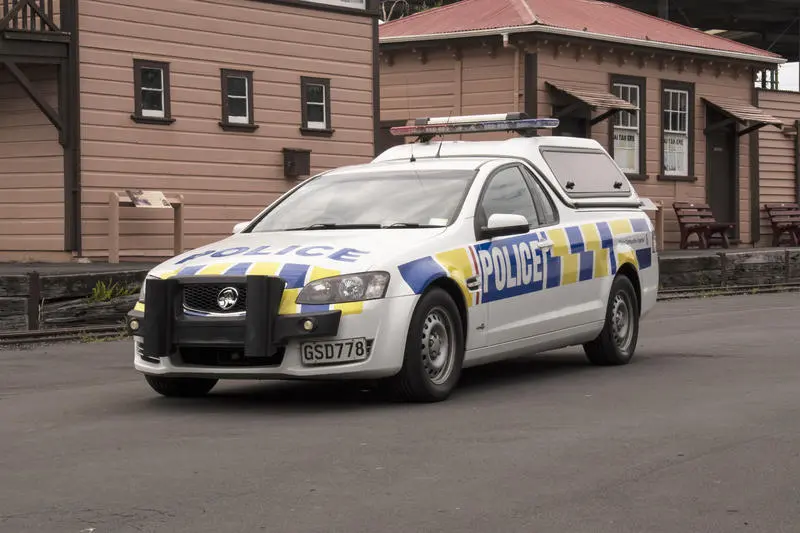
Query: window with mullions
(237, 100)
(627, 130)
(316, 106)
(677, 110)
(151, 92)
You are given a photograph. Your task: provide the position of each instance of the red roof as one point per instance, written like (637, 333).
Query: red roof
(590, 16)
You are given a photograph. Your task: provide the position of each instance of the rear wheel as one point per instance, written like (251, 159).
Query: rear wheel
(616, 344)
(434, 350)
(181, 387)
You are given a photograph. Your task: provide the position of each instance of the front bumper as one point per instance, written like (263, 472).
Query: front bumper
(260, 343)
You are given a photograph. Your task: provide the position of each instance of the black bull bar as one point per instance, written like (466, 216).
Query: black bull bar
(258, 331)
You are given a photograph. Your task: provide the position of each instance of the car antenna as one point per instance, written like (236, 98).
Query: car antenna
(439, 150)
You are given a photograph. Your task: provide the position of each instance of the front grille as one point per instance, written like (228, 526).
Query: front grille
(227, 357)
(203, 297)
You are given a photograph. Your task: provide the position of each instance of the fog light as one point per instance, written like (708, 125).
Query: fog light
(134, 325)
(308, 325)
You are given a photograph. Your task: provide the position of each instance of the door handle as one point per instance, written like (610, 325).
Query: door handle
(544, 245)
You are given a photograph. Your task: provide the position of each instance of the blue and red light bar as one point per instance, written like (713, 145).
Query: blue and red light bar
(430, 127)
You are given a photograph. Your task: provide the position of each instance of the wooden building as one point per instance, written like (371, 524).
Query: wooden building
(676, 107)
(222, 101)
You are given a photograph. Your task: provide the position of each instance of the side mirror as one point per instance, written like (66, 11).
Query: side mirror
(501, 224)
(240, 226)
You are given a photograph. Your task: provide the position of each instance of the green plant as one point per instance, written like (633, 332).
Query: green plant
(103, 292)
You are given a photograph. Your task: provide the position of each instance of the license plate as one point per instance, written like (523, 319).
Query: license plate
(332, 352)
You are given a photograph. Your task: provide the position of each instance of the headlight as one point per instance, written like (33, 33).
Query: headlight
(342, 289)
(144, 286)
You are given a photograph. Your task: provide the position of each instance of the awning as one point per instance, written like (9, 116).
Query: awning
(592, 97)
(748, 115)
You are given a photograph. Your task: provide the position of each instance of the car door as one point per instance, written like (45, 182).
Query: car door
(513, 269)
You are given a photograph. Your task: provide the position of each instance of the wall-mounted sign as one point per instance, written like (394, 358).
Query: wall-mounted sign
(352, 4)
(148, 198)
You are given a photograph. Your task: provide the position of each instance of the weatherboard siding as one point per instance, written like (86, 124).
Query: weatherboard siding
(776, 155)
(225, 177)
(31, 169)
(590, 71)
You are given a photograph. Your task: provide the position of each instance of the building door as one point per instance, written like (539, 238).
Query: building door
(720, 169)
(572, 125)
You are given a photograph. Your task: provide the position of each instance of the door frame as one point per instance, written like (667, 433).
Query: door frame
(735, 156)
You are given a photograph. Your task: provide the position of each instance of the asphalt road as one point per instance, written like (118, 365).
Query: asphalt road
(700, 434)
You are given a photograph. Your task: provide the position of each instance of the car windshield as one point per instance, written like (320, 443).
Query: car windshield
(403, 199)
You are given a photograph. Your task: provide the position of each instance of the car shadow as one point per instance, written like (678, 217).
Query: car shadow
(321, 396)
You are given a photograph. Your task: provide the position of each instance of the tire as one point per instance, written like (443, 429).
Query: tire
(616, 344)
(434, 351)
(181, 387)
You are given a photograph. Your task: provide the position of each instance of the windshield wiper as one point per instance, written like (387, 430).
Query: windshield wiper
(411, 225)
(330, 225)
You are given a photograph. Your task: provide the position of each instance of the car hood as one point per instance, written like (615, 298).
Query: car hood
(291, 252)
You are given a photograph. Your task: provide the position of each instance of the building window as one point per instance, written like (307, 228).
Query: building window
(626, 130)
(316, 106)
(237, 100)
(628, 139)
(152, 92)
(677, 130)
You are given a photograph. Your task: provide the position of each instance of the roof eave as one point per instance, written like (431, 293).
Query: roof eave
(756, 58)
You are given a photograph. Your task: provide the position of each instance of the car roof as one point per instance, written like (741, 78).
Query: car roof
(419, 165)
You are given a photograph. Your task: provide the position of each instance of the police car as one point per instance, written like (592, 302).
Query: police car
(435, 256)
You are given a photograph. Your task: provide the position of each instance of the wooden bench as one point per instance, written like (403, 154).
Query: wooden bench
(697, 218)
(785, 218)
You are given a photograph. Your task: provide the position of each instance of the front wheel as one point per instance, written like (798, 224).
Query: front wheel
(181, 387)
(616, 344)
(434, 350)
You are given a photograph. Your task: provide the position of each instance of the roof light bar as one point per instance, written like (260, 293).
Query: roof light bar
(427, 128)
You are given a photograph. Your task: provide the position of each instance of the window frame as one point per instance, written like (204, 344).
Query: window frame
(305, 128)
(139, 114)
(540, 194)
(689, 88)
(641, 83)
(485, 187)
(225, 123)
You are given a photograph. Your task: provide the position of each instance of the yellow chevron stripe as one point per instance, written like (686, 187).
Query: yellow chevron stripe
(289, 302)
(351, 308)
(628, 257)
(168, 274)
(593, 243)
(139, 307)
(264, 269)
(459, 266)
(621, 226)
(320, 273)
(214, 269)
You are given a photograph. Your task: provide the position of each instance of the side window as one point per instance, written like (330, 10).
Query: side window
(544, 204)
(507, 193)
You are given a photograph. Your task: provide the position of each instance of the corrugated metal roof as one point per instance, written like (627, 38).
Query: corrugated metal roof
(743, 111)
(593, 97)
(591, 16)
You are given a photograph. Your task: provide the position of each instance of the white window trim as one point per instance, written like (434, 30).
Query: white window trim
(676, 133)
(636, 130)
(154, 113)
(312, 125)
(241, 119)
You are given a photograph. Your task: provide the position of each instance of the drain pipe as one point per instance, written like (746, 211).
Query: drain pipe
(507, 44)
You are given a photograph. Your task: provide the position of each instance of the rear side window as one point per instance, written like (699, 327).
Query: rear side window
(586, 173)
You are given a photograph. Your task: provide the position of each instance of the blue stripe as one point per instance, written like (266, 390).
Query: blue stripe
(192, 270)
(575, 239)
(239, 269)
(586, 266)
(639, 224)
(314, 308)
(645, 258)
(606, 236)
(294, 275)
(553, 272)
(613, 257)
(420, 273)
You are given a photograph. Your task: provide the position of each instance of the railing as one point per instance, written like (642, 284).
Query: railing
(29, 15)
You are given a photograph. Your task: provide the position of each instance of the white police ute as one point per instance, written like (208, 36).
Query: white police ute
(436, 256)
